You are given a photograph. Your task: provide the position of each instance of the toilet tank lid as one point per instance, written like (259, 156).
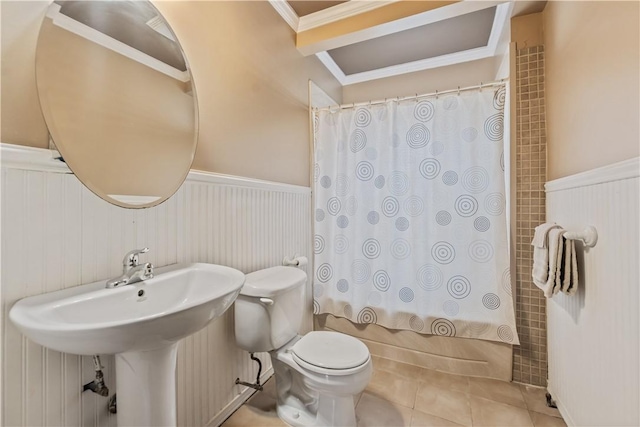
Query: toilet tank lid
(272, 281)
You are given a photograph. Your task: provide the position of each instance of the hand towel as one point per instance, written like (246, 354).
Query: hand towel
(570, 269)
(541, 232)
(556, 255)
(540, 245)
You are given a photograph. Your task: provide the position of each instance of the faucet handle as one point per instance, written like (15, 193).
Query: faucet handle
(148, 271)
(131, 258)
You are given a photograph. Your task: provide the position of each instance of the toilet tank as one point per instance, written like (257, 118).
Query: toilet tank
(269, 309)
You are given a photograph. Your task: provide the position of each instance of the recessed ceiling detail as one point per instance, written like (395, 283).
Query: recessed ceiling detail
(452, 35)
(366, 40)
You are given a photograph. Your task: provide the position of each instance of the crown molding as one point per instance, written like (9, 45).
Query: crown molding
(333, 68)
(339, 12)
(326, 16)
(423, 64)
(355, 7)
(500, 21)
(398, 25)
(287, 13)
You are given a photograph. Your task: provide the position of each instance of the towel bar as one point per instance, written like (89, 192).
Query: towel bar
(589, 236)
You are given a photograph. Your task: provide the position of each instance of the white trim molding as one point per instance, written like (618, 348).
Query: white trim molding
(325, 16)
(501, 22)
(499, 26)
(333, 68)
(626, 169)
(240, 181)
(423, 64)
(32, 158)
(407, 23)
(339, 12)
(45, 160)
(286, 12)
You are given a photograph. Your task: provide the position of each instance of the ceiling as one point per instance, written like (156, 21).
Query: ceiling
(452, 35)
(304, 8)
(365, 40)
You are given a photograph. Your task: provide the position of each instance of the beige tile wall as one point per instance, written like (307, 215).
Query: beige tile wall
(530, 358)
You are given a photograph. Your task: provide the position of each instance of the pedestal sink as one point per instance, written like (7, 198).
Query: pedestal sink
(140, 323)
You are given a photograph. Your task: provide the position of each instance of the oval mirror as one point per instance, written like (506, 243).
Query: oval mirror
(118, 98)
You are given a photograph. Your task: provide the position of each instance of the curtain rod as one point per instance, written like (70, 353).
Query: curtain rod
(414, 97)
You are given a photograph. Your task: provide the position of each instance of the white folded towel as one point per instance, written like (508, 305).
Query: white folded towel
(556, 250)
(570, 268)
(541, 253)
(541, 232)
(554, 261)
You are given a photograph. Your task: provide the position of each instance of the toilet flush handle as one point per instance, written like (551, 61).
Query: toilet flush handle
(266, 301)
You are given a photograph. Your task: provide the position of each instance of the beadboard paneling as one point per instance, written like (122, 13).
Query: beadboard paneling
(57, 234)
(594, 336)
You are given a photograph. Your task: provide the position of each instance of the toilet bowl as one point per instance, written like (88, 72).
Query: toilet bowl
(318, 374)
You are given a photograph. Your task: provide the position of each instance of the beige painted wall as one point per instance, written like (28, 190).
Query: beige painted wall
(21, 120)
(592, 75)
(427, 81)
(252, 85)
(526, 30)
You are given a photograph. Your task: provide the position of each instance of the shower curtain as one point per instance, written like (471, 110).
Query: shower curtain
(410, 220)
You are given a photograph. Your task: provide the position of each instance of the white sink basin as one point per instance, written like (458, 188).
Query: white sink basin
(141, 323)
(180, 300)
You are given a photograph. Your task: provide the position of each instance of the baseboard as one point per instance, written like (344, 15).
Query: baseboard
(237, 402)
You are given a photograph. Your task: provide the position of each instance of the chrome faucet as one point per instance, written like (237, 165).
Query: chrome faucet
(132, 271)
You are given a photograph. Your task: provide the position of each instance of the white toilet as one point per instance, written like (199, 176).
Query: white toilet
(318, 374)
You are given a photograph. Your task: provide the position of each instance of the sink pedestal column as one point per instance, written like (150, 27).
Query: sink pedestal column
(146, 387)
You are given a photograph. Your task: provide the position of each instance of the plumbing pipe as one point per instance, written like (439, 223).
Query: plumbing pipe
(97, 385)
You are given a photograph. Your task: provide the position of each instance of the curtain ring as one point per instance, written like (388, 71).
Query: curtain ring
(481, 86)
(369, 103)
(416, 97)
(458, 90)
(436, 94)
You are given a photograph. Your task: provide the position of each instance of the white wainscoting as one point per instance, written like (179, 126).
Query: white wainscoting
(57, 234)
(594, 336)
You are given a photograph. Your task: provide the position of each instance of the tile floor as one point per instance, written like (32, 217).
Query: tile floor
(407, 395)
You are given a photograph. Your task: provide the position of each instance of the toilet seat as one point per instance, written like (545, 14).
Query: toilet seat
(330, 353)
